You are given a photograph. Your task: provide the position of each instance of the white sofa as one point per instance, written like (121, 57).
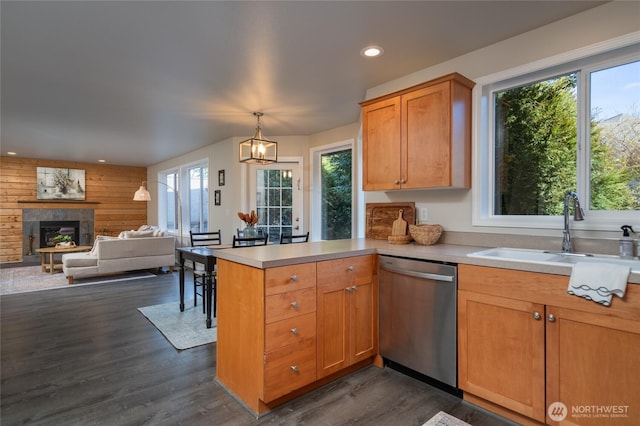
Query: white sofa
(119, 254)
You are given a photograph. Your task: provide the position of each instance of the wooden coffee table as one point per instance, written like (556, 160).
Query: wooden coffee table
(51, 266)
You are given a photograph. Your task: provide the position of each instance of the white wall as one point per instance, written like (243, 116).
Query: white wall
(453, 208)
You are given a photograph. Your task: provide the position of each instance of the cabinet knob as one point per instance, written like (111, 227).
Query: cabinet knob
(294, 330)
(294, 305)
(294, 368)
(294, 277)
(551, 318)
(396, 182)
(402, 181)
(350, 268)
(536, 315)
(352, 288)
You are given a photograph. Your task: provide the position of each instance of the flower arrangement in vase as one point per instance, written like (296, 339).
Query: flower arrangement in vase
(250, 220)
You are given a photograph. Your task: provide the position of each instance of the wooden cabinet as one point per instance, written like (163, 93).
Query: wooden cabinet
(273, 323)
(524, 343)
(419, 137)
(501, 352)
(347, 313)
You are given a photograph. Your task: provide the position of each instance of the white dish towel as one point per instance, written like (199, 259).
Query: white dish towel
(598, 281)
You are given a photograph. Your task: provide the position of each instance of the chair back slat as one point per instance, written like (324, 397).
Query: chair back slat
(292, 238)
(212, 238)
(250, 241)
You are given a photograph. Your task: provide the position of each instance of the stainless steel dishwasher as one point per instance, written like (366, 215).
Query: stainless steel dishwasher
(418, 316)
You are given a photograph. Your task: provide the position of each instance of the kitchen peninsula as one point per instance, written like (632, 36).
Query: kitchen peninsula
(294, 317)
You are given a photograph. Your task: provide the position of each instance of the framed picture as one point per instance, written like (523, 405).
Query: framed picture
(220, 177)
(216, 197)
(60, 184)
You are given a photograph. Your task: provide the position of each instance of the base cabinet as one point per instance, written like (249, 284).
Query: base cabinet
(347, 313)
(525, 344)
(273, 324)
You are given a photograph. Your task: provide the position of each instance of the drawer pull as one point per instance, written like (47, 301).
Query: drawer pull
(294, 278)
(350, 268)
(294, 305)
(294, 330)
(294, 368)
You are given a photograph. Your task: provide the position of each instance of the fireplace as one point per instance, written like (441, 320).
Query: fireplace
(50, 231)
(33, 219)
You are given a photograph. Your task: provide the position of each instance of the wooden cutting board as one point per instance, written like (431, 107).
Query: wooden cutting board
(380, 217)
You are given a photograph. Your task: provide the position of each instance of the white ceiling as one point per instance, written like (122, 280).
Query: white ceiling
(137, 83)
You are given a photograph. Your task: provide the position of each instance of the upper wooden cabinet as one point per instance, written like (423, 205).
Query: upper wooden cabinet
(419, 137)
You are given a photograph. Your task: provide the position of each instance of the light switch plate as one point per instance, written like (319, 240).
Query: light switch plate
(423, 215)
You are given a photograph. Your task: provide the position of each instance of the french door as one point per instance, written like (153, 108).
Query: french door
(276, 193)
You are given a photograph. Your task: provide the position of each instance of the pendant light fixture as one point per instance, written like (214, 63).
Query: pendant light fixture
(258, 150)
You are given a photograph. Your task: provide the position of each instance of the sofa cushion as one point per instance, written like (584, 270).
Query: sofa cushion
(79, 260)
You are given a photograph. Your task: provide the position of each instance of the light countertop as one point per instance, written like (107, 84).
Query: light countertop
(271, 256)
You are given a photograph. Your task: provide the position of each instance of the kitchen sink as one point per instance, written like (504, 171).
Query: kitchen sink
(546, 257)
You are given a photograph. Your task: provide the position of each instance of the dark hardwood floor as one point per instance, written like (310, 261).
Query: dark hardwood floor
(86, 356)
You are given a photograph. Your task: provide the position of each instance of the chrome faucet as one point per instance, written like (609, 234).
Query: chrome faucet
(578, 214)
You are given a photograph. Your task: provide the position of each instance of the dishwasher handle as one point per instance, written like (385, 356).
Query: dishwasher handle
(425, 275)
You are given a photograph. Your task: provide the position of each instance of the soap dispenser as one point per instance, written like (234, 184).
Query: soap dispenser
(626, 243)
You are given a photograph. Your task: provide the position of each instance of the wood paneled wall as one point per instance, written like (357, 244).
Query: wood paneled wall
(109, 191)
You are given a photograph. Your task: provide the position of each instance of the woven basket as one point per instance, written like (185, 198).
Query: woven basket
(425, 235)
(399, 239)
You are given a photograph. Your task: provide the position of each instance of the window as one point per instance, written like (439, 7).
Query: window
(198, 190)
(276, 192)
(336, 195)
(335, 199)
(188, 203)
(168, 200)
(569, 127)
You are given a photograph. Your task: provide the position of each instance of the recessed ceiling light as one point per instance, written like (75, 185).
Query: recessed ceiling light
(102, 161)
(12, 153)
(371, 51)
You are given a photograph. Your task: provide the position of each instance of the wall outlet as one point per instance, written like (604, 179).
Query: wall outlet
(423, 215)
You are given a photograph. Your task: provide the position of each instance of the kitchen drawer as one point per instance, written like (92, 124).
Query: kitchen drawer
(289, 331)
(289, 368)
(352, 270)
(289, 304)
(287, 278)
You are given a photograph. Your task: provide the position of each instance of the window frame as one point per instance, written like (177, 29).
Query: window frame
(584, 61)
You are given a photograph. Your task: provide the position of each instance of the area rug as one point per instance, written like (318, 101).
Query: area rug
(31, 278)
(444, 419)
(183, 329)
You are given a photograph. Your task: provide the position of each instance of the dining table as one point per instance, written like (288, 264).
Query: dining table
(206, 256)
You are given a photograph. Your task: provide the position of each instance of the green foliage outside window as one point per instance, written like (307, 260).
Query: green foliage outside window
(336, 195)
(536, 153)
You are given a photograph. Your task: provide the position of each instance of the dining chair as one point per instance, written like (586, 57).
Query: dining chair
(291, 238)
(250, 241)
(213, 238)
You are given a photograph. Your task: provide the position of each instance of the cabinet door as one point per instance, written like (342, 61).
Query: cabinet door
(426, 137)
(593, 367)
(501, 352)
(381, 145)
(332, 323)
(363, 332)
